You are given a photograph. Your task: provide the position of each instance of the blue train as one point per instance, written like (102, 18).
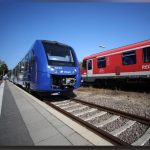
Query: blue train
(49, 66)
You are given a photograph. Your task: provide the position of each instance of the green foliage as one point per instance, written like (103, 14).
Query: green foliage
(10, 72)
(3, 68)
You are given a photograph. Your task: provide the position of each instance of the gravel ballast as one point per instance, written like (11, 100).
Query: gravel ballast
(130, 102)
(115, 124)
(133, 133)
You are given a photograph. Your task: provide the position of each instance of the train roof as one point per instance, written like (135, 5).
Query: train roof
(54, 42)
(119, 49)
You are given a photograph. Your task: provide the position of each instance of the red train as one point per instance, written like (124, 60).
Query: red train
(127, 63)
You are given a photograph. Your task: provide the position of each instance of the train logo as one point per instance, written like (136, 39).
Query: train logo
(145, 67)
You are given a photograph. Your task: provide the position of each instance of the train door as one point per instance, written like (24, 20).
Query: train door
(89, 67)
(117, 70)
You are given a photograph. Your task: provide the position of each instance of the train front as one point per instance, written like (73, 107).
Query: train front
(63, 67)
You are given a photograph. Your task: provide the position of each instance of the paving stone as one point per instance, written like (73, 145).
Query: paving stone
(57, 140)
(38, 125)
(65, 130)
(31, 117)
(49, 116)
(13, 131)
(57, 123)
(43, 134)
(24, 108)
(76, 139)
(20, 138)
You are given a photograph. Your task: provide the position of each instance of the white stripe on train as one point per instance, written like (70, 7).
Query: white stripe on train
(146, 73)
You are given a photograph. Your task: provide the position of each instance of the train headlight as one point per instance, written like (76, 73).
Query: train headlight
(52, 69)
(74, 71)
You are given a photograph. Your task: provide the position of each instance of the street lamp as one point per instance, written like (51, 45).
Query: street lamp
(102, 46)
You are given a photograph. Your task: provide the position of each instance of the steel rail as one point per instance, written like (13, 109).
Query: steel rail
(114, 140)
(137, 118)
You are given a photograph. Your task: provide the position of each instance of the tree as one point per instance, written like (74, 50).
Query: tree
(3, 68)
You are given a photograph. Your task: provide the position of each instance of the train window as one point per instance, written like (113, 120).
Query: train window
(22, 66)
(101, 62)
(59, 54)
(129, 58)
(89, 64)
(19, 66)
(146, 54)
(27, 62)
(18, 69)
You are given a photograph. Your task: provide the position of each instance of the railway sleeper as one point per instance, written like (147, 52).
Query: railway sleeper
(118, 131)
(85, 112)
(96, 115)
(111, 119)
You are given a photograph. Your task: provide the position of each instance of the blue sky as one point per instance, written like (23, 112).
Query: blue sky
(84, 26)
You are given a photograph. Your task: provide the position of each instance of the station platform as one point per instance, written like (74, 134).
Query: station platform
(27, 121)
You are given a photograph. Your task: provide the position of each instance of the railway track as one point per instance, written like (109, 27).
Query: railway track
(118, 127)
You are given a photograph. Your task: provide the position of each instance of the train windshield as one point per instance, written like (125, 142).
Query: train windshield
(59, 55)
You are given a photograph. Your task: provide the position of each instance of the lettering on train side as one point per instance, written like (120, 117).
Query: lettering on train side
(145, 67)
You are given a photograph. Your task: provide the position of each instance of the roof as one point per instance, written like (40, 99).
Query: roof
(123, 48)
(55, 42)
